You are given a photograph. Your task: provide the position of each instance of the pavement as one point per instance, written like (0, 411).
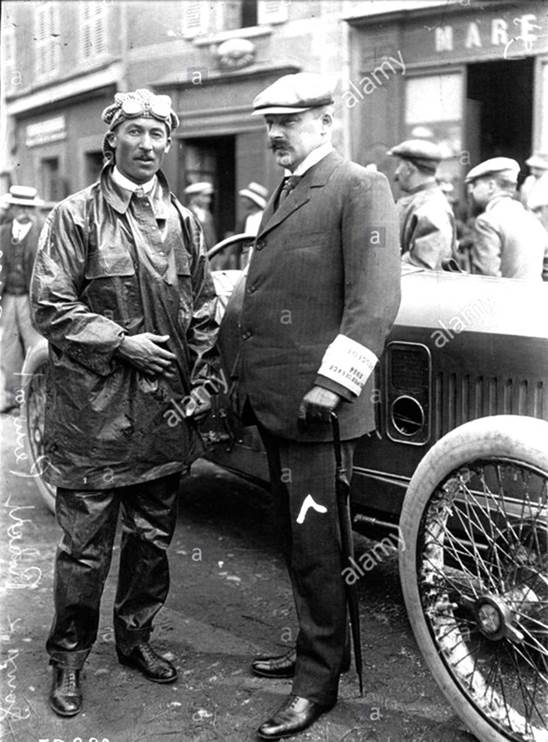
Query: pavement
(229, 601)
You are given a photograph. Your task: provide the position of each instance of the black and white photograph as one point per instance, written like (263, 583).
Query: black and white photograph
(274, 370)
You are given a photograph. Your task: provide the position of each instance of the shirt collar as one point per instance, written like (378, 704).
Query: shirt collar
(496, 198)
(19, 230)
(312, 159)
(119, 197)
(123, 182)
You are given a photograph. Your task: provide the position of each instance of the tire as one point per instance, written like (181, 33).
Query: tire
(473, 568)
(32, 413)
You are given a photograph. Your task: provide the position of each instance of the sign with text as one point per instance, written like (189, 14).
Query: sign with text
(44, 132)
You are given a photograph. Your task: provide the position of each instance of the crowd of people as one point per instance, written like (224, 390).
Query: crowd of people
(122, 290)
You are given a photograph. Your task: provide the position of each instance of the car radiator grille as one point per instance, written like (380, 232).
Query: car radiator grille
(458, 399)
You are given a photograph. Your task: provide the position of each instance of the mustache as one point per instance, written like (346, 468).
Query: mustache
(277, 144)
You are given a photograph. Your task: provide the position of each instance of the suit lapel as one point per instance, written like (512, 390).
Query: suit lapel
(316, 177)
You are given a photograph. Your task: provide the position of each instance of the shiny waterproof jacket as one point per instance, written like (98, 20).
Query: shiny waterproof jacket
(107, 424)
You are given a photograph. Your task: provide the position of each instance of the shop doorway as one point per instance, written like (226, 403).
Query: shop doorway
(499, 110)
(213, 159)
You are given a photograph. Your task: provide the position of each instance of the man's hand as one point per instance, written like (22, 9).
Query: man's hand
(317, 405)
(146, 352)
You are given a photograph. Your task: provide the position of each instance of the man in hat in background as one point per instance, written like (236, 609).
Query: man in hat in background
(322, 292)
(508, 240)
(538, 179)
(18, 243)
(199, 202)
(253, 198)
(427, 222)
(122, 291)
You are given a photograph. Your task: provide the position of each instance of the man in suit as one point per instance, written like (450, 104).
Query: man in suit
(427, 223)
(322, 293)
(18, 244)
(508, 240)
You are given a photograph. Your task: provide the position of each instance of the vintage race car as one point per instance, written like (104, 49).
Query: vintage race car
(456, 472)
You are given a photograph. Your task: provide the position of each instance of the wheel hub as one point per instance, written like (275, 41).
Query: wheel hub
(495, 619)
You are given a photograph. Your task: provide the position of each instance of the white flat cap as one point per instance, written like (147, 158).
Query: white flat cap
(499, 165)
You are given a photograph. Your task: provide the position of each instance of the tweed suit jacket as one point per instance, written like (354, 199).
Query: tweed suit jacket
(325, 263)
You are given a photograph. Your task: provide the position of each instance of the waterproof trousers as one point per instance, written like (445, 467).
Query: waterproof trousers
(88, 520)
(18, 338)
(303, 484)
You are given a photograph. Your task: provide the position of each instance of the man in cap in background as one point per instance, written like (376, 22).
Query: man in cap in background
(538, 179)
(18, 243)
(427, 222)
(199, 202)
(322, 292)
(508, 240)
(122, 291)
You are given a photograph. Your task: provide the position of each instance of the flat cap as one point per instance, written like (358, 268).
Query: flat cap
(293, 94)
(538, 159)
(420, 151)
(499, 165)
(204, 187)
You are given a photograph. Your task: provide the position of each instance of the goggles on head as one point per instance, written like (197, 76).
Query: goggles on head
(140, 103)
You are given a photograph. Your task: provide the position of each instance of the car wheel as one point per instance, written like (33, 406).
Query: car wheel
(33, 411)
(473, 567)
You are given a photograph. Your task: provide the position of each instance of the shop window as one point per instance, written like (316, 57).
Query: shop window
(433, 110)
(54, 186)
(94, 164)
(46, 34)
(93, 25)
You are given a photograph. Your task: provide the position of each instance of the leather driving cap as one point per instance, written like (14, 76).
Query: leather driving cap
(420, 151)
(293, 94)
(501, 165)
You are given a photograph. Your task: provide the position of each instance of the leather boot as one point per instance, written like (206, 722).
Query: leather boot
(154, 667)
(66, 695)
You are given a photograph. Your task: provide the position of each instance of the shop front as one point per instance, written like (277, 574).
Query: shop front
(59, 147)
(472, 77)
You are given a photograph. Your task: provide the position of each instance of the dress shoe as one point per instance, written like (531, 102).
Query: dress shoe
(66, 695)
(283, 666)
(294, 716)
(145, 659)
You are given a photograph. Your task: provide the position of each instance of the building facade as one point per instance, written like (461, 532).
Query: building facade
(472, 75)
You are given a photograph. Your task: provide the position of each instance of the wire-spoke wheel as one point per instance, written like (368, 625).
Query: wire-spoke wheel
(33, 413)
(474, 571)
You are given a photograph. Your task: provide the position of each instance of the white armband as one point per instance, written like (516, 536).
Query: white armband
(348, 363)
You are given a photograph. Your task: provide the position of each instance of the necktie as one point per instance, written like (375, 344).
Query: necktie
(288, 185)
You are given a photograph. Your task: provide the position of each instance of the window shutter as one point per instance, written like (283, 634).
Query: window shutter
(195, 16)
(46, 43)
(272, 11)
(93, 29)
